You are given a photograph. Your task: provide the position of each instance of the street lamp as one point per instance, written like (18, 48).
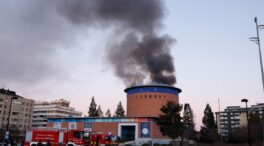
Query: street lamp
(8, 119)
(257, 41)
(249, 135)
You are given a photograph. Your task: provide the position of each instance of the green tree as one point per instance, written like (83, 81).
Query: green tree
(100, 112)
(170, 121)
(120, 112)
(189, 131)
(92, 109)
(108, 113)
(209, 128)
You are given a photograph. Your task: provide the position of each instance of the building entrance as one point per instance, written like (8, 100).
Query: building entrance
(128, 133)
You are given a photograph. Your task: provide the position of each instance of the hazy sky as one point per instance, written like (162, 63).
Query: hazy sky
(44, 57)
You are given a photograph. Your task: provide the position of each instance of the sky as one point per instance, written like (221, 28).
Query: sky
(44, 57)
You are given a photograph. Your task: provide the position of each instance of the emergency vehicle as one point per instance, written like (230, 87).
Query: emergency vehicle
(64, 137)
(98, 139)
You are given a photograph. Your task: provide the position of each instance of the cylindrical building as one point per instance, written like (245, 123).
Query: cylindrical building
(147, 100)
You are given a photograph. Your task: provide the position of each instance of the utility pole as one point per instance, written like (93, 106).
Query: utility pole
(219, 117)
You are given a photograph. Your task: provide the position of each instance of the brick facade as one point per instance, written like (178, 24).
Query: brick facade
(148, 104)
(106, 127)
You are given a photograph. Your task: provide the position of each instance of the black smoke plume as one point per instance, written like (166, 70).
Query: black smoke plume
(31, 31)
(137, 53)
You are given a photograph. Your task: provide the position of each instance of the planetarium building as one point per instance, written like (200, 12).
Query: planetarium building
(143, 107)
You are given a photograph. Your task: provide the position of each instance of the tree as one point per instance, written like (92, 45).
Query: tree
(92, 109)
(100, 112)
(170, 121)
(108, 113)
(209, 128)
(120, 112)
(256, 126)
(189, 131)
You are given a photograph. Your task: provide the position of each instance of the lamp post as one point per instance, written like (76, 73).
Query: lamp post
(249, 135)
(257, 41)
(8, 119)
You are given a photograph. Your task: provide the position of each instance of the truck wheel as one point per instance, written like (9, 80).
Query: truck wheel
(70, 145)
(33, 145)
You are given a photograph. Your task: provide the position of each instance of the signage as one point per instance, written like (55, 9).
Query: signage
(91, 120)
(145, 130)
(72, 125)
(57, 125)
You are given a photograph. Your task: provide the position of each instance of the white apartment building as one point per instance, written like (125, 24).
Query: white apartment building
(235, 116)
(20, 114)
(58, 108)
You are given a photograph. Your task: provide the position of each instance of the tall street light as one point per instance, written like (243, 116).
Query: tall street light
(249, 135)
(8, 119)
(257, 41)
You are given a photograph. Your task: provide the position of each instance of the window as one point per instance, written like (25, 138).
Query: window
(77, 134)
(1, 99)
(87, 125)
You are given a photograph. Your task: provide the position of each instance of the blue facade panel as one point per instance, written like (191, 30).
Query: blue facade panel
(152, 89)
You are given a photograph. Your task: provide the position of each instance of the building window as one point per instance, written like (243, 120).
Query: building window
(88, 125)
(1, 99)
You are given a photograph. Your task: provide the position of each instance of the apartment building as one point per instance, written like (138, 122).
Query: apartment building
(235, 116)
(54, 109)
(21, 111)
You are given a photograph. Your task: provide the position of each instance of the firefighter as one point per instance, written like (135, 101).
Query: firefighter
(48, 143)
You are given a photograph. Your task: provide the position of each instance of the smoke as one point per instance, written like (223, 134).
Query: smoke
(136, 51)
(31, 31)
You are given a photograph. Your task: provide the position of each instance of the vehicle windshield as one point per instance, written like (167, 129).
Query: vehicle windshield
(86, 136)
(77, 134)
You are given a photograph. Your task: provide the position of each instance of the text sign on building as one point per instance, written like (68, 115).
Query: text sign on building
(57, 125)
(145, 130)
(72, 125)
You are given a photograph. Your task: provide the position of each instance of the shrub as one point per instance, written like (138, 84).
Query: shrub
(145, 144)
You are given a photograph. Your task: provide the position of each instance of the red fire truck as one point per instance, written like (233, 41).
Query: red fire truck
(103, 139)
(64, 137)
(57, 137)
